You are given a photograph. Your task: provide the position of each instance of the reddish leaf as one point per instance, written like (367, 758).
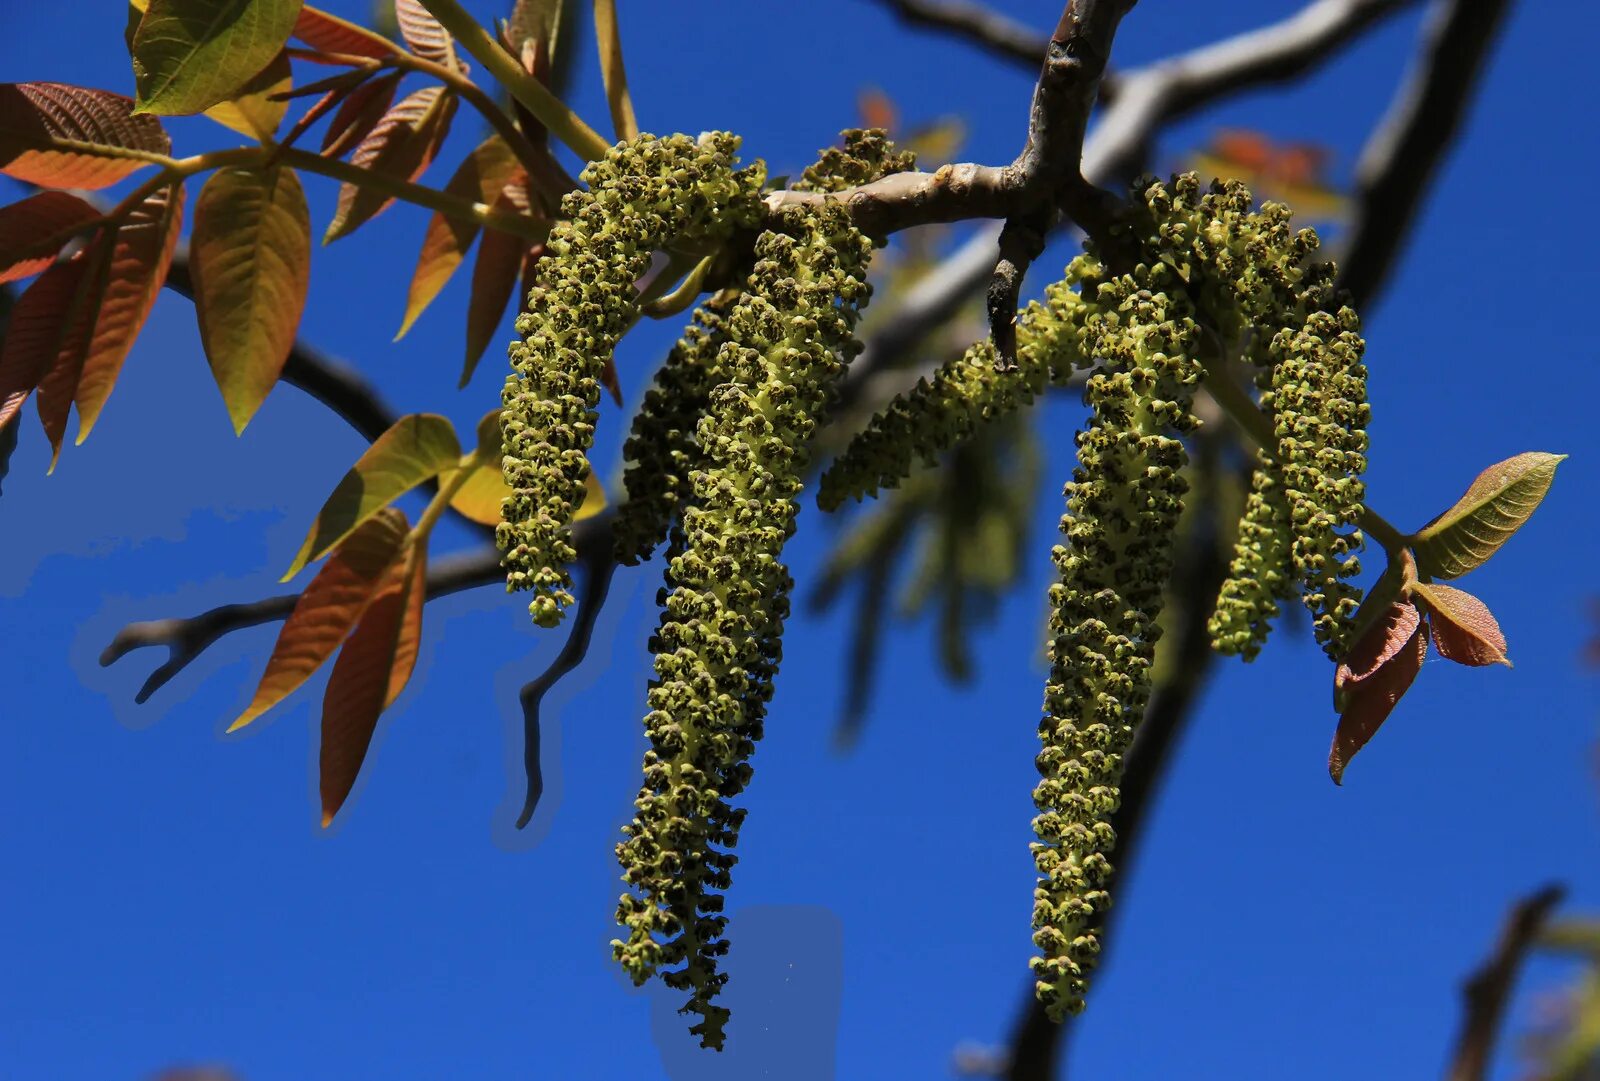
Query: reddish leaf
(35, 116)
(139, 262)
(333, 602)
(34, 333)
(1372, 700)
(1463, 627)
(332, 34)
(531, 21)
(372, 668)
(402, 145)
(48, 218)
(251, 261)
(359, 112)
(494, 279)
(409, 641)
(423, 34)
(1387, 636)
(481, 177)
(60, 382)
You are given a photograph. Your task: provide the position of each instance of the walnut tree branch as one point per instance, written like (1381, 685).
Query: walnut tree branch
(186, 638)
(1489, 989)
(1048, 162)
(975, 22)
(1116, 148)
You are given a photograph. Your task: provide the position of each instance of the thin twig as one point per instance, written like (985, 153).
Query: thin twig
(1488, 990)
(187, 638)
(598, 566)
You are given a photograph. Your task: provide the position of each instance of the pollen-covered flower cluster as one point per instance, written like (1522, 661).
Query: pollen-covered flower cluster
(968, 392)
(661, 449)
(1122, 509)
(642, 196)
(1269, 299)
(717, 649)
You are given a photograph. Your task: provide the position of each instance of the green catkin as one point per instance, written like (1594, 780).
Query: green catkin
(661, 450)
(718, 645)
(1258, 576)
(1307, 493)
(940, 412)
(1318, 403)
(1262, 291)
(642, 196)
(1123, 505)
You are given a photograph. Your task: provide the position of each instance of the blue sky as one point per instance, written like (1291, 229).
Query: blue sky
(172, 899)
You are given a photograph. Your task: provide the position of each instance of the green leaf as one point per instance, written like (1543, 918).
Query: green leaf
(257, 108)
(480, 495)
(250, 257)
(1498, 503)
(188, 55)
(414, 449)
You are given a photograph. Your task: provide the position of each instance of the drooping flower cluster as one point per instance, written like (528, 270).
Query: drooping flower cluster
(661, 449)
(1267, 296)
(642, 196)
(1196, 277)
(964, 394)
(717, 649)
(718, 453)
(1123, 505)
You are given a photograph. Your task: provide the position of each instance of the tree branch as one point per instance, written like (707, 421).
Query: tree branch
(1489, 989)
(187, 638)
(1402, 156)
(1146, 99)
(1047, 165)
(976, 23)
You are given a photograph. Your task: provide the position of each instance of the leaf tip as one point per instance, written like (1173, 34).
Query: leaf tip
(327, 817)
